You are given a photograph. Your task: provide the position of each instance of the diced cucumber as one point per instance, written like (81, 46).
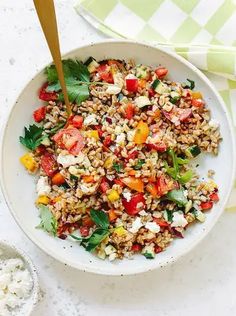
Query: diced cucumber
(192, 151)
(174, 97)
(91, 64)
(142, 72)
(200, 216)
(160, 87)
(142, 101)
(46, 142)
(148, 252)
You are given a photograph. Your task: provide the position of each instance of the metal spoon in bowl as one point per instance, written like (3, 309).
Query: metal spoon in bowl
(47, 17)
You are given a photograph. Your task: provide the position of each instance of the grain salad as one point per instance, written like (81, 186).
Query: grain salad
(119, 174)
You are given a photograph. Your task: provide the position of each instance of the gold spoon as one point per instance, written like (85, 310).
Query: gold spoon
(47, 17)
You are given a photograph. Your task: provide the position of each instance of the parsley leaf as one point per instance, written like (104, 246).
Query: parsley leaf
(190, 85)
(117, 167)
(100, 218)
(33, 137)
(48, 221)
(139, 164)
(76, 73)
(95, 239)
(174, 100)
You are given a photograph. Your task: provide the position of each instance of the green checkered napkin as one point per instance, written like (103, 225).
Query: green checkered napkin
(201, 31)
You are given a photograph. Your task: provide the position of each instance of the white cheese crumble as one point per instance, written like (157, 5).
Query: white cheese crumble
(136, 225)
(15, 285)
(120, 139)
(131, 76)
(91, 120)
(43, 187)
(143, 213)
(214, 123)
(153, 227)
(118, 79)
(113, 89)
(130, 135)
(70, 160)
(127, 195)
(142, 101)
(179, 220)
(118, 130)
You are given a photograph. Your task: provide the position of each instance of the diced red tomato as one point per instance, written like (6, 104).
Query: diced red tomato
(159, 147)
(104, 185)
(135, 205)
(198, 103)
(41, 149)
(206, 205)
(39, 114)
(84, 231)
(162, 185)
(158, 249)
(161, 72)
(99, 129)
(129, 111)
(136, 247)
(107, 141)
(70, 139)
(131, 83)
(77, 121)
(47, 96)
(119, 182)
(160, 222)
(104, 73)
(133, 155)
(151, 92)
(214, 197)
(49, 164)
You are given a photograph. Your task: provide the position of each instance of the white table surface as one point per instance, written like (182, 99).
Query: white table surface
(201, 283)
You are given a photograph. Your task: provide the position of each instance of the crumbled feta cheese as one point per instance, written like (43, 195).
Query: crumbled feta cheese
(43, 187)
(179, 220)
(113, 89)
(136, 225)
(167, 107)
(153, 227)
(143, 213)
(109, 250)
(157, 214)
(87, 189)
(15, 285)
(73, 170)
(185, 193)
(70, 160)
(127, 195)
(142, 101)
(90, 120)
(130, 135)
(214, 123)
(112, 256)
(118, 130)
(120, 139)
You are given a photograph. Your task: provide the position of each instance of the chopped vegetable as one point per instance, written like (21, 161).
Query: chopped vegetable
(136, 248)
(214, 197)
(112, 215)
(45, 95)
(120, 231)
(198, 103)
(186, 177)
(70, 139)
(43, 199)
(58, 179)
(193, 151)
(92, 134)
(29, 162)
(142, 101)
(129, 111)
(196, 95)
(113, 195)
(206, 205)
(104, 186)
(177, 196)
(49, 164)
(39, 114)
(104, 73)
(161, 72)
(135, 205)
(190, 84)
(152, 189)
(77, 121)
(100, 218)
(33, 137)
(139, 164)
(134, 183)
(131, 82)
(141, 133)
(118, 167)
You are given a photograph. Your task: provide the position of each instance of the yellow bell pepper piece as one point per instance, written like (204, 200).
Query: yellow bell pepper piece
(113, 195)
(196, 95)
(120, 231)
(108, 163)
(92, 134)
(141, 133)
(29, 162)
(43, 199)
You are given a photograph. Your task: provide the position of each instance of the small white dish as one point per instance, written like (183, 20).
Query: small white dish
(10, 251)
(19, 187)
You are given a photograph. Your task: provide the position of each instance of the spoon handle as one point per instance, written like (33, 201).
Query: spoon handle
(47, 17)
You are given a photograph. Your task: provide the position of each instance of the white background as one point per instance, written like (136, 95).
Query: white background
(201, 283)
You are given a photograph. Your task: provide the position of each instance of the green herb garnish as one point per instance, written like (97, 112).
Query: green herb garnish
(100, 218)
(190, 85)
(178, 197)
(33, 137)
(139, 164)
(174, 100)
(48, 221)
(118, 167)
(186, 177)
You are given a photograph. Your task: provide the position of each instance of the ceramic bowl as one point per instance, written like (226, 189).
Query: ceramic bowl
(10, 251)
(19, 187)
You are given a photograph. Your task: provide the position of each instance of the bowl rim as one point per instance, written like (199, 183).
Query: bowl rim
(35, 294)
(140, 268)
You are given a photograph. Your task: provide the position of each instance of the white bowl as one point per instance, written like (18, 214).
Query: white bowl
(19, 187)
(11, 252)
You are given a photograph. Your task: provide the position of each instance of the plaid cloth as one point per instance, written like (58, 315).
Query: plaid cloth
(201, 31)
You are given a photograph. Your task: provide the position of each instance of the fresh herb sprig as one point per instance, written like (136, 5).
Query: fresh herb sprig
(90, 243)
(48, 221)
(190, 85)
(33, 137)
